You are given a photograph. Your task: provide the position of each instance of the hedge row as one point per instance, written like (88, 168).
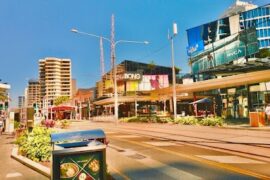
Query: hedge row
(187, 120)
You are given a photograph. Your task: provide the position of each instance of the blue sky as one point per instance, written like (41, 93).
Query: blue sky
(34, 29)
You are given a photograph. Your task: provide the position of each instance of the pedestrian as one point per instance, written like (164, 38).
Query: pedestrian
(267, 112)
(1, 125)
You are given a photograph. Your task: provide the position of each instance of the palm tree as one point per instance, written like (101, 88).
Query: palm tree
(152, 66)
(3, 96)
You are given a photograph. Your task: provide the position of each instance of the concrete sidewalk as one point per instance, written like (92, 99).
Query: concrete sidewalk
(10, 168)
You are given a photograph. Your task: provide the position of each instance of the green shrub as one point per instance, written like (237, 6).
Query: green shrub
(146, 119)
(36, 144)
(129, 119)
(16, 124)
(65, 123)
(187, 120)
(212, 121)
(165, 119)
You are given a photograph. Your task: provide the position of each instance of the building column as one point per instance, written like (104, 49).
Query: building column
(171, 105)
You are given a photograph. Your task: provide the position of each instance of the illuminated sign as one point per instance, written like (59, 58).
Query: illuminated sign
(135, 76)
(132, 76)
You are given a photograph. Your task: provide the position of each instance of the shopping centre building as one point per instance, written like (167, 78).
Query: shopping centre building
(135, 81)
(233, 47)
(230, 71)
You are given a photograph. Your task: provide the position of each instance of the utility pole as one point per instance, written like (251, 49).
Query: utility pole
(102, 67)
(173, 71)
(113, 61)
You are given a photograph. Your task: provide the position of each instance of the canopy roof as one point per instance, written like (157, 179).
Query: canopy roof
(204, 100)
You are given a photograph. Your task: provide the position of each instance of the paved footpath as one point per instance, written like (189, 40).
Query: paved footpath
(11, 169)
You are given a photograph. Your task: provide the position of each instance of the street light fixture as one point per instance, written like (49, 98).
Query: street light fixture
(113, 45)
(173, 70)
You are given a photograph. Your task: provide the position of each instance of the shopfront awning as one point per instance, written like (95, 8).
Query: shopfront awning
(204, 100)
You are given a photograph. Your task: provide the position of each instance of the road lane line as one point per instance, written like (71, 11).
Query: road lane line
(120, 173)
(168, 170)
(230, 159)
(161, 143)
(128, 136)
(212, 163)
(13, 175)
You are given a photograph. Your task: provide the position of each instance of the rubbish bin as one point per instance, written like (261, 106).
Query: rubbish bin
(257, 119)
(79, 155)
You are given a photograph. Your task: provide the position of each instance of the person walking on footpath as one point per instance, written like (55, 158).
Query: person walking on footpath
(1, 125)
(267, 112)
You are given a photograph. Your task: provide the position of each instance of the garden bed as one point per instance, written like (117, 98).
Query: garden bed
(186, 120)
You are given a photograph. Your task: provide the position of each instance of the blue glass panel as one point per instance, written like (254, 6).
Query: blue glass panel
(261, 33)
(264, 22)
(263, 43)
(263, 11)
(268, 11)
(255, 12)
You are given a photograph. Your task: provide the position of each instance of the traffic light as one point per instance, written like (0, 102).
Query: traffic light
(6, 105)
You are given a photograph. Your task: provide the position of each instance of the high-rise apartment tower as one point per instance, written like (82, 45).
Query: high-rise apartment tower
(55, 78)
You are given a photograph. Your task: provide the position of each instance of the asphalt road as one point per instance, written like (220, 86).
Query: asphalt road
(143, 153)
(138, 156)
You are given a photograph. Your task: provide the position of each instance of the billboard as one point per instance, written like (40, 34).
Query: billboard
(152, 82)
(226, 50)
(201, 36)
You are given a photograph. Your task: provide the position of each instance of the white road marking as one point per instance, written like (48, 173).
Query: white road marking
(231, 159)
(170, 171)
(128, 136)
(159, 166)
(12, 175)
(110, 132)
(160, 143)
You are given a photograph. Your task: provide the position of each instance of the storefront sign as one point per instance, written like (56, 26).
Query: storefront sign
(134, 76)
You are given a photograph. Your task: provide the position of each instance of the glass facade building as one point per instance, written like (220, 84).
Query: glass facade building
(259, 18)
(230, 40)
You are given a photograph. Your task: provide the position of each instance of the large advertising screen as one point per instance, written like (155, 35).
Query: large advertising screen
(220, 42)
(201, 36)
(234, 47)
(152, 82)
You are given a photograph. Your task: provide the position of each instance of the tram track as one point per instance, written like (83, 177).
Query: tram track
(198, 142)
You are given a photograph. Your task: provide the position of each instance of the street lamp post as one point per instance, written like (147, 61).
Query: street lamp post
(173, 70)
(113, 45)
